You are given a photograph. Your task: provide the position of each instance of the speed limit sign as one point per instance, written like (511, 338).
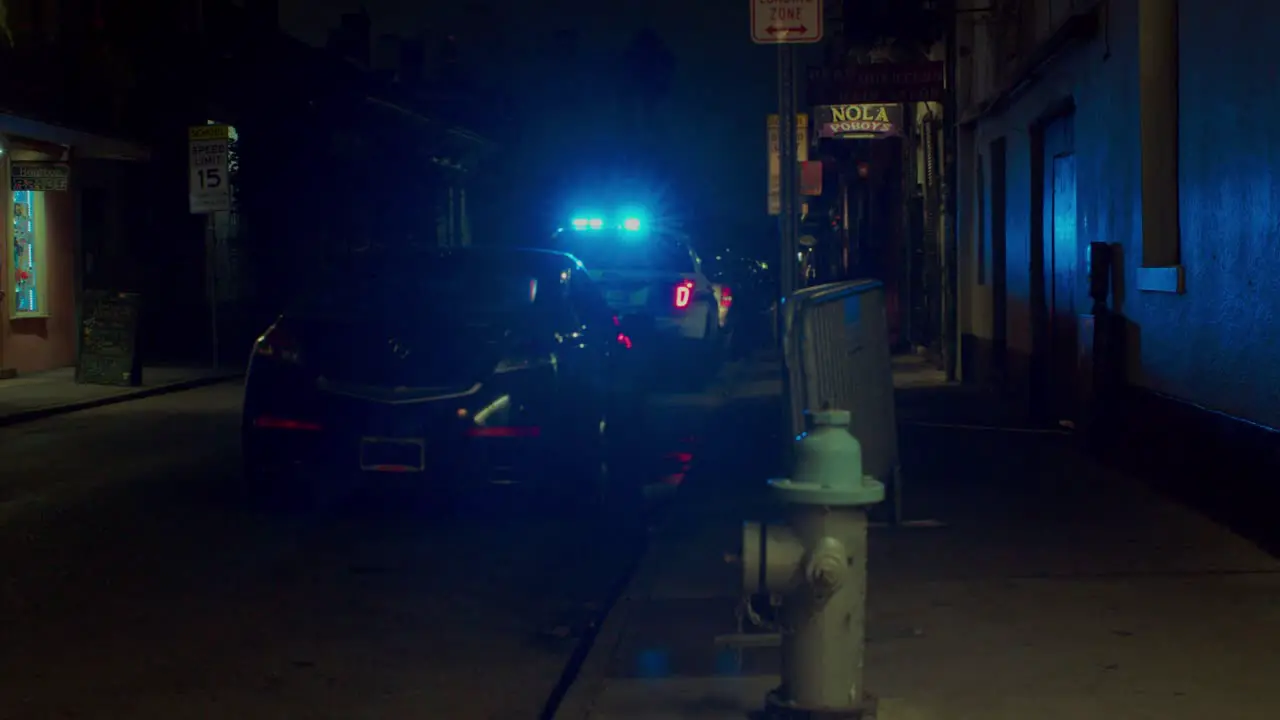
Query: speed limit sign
(210, 181)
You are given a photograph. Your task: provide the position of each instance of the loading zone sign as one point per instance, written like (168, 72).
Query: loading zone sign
(786, 22)
(209, 184)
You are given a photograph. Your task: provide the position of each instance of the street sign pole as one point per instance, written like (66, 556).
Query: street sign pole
(797, 22)
(211, 280)
(787, 265)
(209, 192)
(787, 166)
(787, 268)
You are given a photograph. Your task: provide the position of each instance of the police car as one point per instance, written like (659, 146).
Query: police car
(651, 277)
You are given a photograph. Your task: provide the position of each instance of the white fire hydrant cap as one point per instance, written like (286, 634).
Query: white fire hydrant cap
(831, 418)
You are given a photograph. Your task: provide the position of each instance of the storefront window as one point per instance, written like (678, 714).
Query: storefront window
(26, 255)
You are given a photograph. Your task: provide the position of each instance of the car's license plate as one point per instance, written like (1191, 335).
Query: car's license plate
(625, 298)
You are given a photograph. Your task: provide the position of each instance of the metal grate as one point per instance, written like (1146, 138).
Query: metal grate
(837, 355)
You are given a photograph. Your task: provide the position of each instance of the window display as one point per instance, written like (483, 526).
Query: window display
(26, 256)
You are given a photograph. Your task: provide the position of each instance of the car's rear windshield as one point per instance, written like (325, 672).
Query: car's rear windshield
(463, 286)
(606, 251)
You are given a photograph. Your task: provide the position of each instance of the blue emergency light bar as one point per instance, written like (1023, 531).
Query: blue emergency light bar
(588, 224)
(629, 223)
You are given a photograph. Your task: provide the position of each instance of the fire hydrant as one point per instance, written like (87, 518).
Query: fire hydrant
(816, 565)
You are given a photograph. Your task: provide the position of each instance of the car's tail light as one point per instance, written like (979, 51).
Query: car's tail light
(726, 297)
(269, 422)
(623, 339)
(504, 431)
(277, 343)
(684, 294)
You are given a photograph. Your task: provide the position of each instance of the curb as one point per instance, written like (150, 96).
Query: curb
(26, 416)
(579, 700)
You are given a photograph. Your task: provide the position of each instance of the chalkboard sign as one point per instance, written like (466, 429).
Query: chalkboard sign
(109, 339)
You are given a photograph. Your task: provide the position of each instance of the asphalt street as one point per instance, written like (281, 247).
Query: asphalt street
(139, 579)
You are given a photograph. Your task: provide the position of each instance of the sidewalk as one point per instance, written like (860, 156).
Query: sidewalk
(31, 397)
(1057, 589)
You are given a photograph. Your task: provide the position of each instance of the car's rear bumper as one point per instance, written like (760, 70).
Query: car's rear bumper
(322, 433)
(447, 461)
(690, 325)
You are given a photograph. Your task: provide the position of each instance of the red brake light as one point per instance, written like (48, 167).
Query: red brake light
(624, 341)
(726, 296)
(684, 294)
(278, 343)
(277, 423)
(486, 431)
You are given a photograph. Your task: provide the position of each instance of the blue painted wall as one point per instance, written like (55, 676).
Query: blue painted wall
(1219, 343)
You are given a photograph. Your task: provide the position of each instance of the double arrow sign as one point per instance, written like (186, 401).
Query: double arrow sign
(786, 22)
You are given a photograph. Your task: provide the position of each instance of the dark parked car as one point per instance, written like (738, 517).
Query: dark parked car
(446, 368)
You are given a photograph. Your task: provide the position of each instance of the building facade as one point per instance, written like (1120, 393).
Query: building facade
(54, 175)
(1133, 134)
(61, 156)
(883, 211)
(329, 147)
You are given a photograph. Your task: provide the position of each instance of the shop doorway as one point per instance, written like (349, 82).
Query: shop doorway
(94, 227)
(1055, 274)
